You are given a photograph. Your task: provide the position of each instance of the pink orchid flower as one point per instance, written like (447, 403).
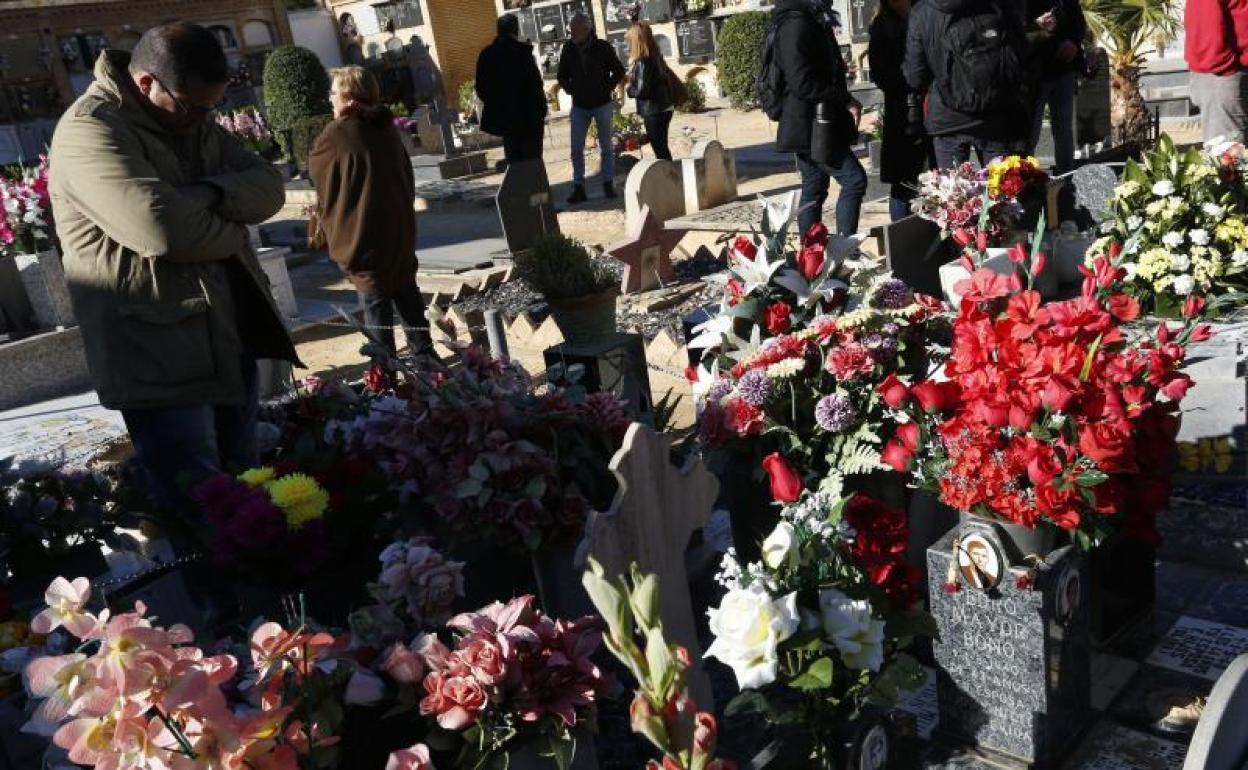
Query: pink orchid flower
(413, 758)
(61, 680)
(65, 601)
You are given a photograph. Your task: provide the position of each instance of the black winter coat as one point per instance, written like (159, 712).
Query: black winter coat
(813, 73)
(1070, 26)
(902, 157)
(510, 86)
(590, 78)
(647, 83)
(927, 58)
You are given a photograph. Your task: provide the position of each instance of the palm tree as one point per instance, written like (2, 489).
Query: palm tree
(1128, 29)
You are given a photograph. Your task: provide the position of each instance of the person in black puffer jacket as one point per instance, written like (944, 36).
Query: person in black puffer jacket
(906, 149)
(813, 73)
(970, 57)
(647, 83)
(589, 72)
(510, 87)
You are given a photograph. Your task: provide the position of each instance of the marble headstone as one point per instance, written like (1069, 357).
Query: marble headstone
(1013, 665)
(525, 207)
(656, 184)
(1221, 740)
(709, 176)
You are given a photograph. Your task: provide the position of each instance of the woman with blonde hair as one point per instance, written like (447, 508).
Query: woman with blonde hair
(367, 192)
(647, 83)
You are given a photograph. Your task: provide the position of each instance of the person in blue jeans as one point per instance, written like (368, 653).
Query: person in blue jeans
(814, 75)
(589, 72)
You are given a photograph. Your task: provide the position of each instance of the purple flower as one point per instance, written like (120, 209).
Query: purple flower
(892, 294)
(754, 388)
(883, 347)
(718, 391)
(835, 413)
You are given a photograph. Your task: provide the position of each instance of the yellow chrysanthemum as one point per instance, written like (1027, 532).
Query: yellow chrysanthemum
(257, 477)
(300, 498)
(1154, 263)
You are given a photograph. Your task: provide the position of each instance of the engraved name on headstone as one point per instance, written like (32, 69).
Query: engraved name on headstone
(1200, 647)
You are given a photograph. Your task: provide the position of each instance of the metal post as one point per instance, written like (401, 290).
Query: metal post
(496, 334)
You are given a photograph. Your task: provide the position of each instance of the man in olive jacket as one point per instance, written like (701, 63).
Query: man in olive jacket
(151, 200)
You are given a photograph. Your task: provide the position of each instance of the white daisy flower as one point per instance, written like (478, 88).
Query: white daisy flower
(1239, 257)
(1180, 263)
(1212, 209)
(1134, 222)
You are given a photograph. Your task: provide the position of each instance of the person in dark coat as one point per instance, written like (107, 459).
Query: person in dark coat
(906, 148)
(647, 83)
(510, 86)
(1058, 55)
(814, 74)
(999, 128)
(589, 72)
(367, 193)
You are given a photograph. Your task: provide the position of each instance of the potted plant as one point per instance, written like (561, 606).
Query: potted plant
(27, 236)
(580, 290)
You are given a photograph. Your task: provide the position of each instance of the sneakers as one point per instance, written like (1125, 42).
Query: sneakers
(608, 189)
(578, 195)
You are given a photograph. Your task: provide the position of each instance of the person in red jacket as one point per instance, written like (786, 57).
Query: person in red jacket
(1216, 49)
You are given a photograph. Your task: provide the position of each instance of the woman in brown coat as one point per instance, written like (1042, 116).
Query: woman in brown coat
(366, 189)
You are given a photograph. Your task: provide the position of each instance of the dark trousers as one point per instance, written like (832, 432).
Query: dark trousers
(955, 149)
(848, 173)
(379, 317)
(657, 126)
(1059, 95)
(181, 446)
(899, 197)
(523, 146)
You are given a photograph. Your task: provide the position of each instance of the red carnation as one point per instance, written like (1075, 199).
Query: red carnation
(893, 391)
(786, 485)
(745, 419)
(850, 361)
(778, 319)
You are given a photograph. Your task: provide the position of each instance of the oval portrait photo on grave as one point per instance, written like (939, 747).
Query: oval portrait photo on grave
(1069, 590)
(873, 749)
(980, 562)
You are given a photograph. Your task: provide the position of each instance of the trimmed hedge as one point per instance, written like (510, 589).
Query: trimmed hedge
(737, 60)
(296, 86)
(305, 131)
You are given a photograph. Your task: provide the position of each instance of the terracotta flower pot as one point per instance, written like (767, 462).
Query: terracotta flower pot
(586, 320)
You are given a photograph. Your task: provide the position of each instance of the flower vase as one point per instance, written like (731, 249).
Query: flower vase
(43, 277)
(1123, 585)
(587, 320)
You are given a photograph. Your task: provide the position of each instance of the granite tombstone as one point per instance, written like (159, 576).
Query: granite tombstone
(525, 208)
(915, 251)
(1085, 197)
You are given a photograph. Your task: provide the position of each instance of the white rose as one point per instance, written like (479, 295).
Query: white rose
(1180, 263)
(1199, 237)
(1172, 239)
(1184, 284)
(781, 548)
(1239, 257)
(850, 626)
(748, 625)
(1163, 188)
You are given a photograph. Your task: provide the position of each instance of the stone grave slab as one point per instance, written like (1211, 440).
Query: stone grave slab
(1144, 703)
(915, 251)
(1221, 740)
(709, 176)
(657, 509)
(1114, 747)
(41, 367)
(525, 208)
(68, 432)
(657, 185)
(43, 276)
(273, 262)
(646, 254)
(1212, 535)
(1012, 677)
(1200, 647)
(1110, 674)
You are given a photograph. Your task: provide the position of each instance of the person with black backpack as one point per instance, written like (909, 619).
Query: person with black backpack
(970, 57)
(802, 83)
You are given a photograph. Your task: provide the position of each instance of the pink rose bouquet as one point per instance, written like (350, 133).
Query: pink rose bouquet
(419, 579)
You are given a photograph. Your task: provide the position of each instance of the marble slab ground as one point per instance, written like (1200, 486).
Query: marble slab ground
(66, 432)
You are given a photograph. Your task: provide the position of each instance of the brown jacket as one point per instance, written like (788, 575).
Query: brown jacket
(367, 194)
(168, 293)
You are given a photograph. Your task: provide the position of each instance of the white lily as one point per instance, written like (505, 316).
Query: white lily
(780, 209)
(706, 379)
(756, 273)
(711, 333)
(739, 349)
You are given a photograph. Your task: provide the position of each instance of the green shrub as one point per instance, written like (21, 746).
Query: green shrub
(466, 96)
(296, 86)
(560, 268)
(740, 44)
(697, 95)
(304, 133)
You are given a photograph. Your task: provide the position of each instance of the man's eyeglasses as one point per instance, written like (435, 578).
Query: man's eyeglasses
(188, 109)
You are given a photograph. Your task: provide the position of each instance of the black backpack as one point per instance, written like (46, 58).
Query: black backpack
(769, 83)
(984, 70)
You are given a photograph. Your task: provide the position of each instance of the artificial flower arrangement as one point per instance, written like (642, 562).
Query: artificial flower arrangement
(249, 126)
(1048, 413)
(418, 582)
(628, 133)
(981, 206)
(513, 680)
(792, 360)
(25, 210)
(1179, 225)
(494, 461)
(815, 631)
(661, 710)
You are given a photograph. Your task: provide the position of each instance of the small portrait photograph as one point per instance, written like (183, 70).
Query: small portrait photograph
(873, 753)
(980, 562)
(1069, 594)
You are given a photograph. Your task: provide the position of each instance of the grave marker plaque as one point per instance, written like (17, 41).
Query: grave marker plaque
(695, 39)
(1013, 665)
(859, 21)
(656, 10)
(525, 207)
(574, 7)
(616, 14)
(1200, 647)
(550, 25)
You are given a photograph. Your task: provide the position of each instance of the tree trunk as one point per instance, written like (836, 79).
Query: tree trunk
(1128, 114)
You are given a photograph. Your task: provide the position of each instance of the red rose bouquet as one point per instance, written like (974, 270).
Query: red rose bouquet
(1048, 412)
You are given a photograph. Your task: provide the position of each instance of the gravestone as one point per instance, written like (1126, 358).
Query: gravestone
(525, 208)
(1085, 197)
(647, 255)
(1013, 672)
(695, 40)
(656, 511)
(1221, 740)
(1200, 647)
(43, 277)
(709, 176)
(914, 251)
(656, 184)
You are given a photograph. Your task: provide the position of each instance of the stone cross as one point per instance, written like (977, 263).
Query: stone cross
(655, 512)
(647, 254)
